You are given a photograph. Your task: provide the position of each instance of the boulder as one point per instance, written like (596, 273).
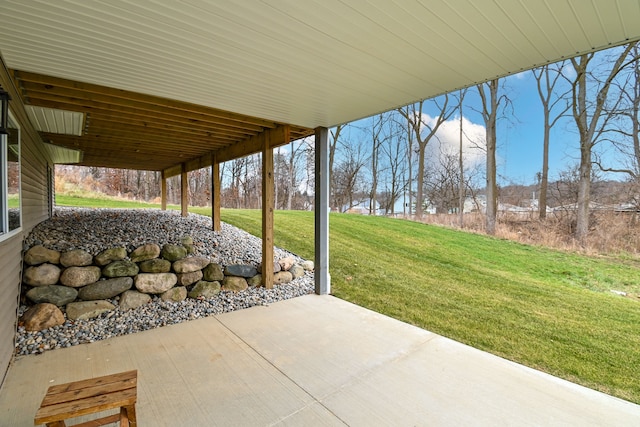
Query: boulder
(173, 252)
(120, 268)
(133, 299)
(156, 265)
(187, 265)
(234, 283)
(286, 263)
(255, 281)
(145, 252)
(42, 316)
(109, 255)
(296, 271)
(105, 289)
(177, 294)
(212, 273)
(204, 289)
(307, 265)
(240, 270)
(187, 242)
(76, 258)
(52, 294)
(282, 277)
(155, 283)
(186, 279)
(77, 277)
(276, 267)
(42, 275)
(84, 310)
(39, 255)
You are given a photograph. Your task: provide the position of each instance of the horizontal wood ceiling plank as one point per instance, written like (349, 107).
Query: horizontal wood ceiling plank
(146, 102)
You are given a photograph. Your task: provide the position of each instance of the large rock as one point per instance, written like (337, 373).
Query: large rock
(307, 265)
(286, 263)
(41, 275)
(204, 289)
(77, 277)
(39, 255)
(255, 281)
(53, 294)
(187, 265)
(122, 268)
(145, 252)
(186, 279)
(187, 242)
(133, 299)
(155, 283)
(177, 294)
(156, 265)
(296, 271)
(84, 310)
(240, 270)
(42, 316)
(276, 267)
(76, 258)
(173, 252)
(109, 255)
(105, 289)
(234, 283)
(212, 273)
(282, 277)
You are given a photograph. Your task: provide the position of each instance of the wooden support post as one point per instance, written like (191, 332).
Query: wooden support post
(163, 191)
(267, 211)
(184, 191)
(215, 192)
(322, 277)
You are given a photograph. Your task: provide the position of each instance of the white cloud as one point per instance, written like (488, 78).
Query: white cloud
(447, 140)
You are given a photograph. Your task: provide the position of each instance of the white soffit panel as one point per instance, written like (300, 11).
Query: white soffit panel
(305, 62)
(51, 120)
(62, 155)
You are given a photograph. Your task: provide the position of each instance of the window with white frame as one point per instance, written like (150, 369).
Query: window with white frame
(10, 193)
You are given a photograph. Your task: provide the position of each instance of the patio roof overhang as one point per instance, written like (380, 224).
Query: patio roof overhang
(166, 83)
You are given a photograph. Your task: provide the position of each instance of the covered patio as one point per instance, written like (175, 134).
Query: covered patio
(313, 360)
(173, 87)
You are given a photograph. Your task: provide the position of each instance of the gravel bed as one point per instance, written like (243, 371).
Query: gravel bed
(97, 229)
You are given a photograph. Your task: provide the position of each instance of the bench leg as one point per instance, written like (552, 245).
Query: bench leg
(131, 415)
(124, 419)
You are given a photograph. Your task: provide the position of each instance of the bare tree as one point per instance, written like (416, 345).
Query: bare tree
(547, 78)
(589, 113)
(490, 104)
(461, 188)
(335, 136)
(394, 154)
(423, 132)
(348, 175)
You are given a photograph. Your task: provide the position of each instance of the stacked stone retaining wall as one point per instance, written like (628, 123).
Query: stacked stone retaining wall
(85, 286)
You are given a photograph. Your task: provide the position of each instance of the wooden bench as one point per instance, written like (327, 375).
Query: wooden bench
(85, 397)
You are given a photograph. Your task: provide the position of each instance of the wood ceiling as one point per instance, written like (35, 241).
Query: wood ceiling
(130, 130)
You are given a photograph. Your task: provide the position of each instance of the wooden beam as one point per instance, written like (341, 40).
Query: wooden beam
(277, 137)
(119, 96)
(215, 193)
(163, 191)
(267, 211)
(184, 192)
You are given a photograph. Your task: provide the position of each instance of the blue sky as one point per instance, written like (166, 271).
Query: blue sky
(520, 133)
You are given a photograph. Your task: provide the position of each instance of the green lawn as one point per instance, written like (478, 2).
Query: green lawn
(543, 308)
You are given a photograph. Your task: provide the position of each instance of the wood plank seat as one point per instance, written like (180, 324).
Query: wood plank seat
(89, 396)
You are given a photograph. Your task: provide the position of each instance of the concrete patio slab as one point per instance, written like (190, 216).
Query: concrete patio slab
(313, 360)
